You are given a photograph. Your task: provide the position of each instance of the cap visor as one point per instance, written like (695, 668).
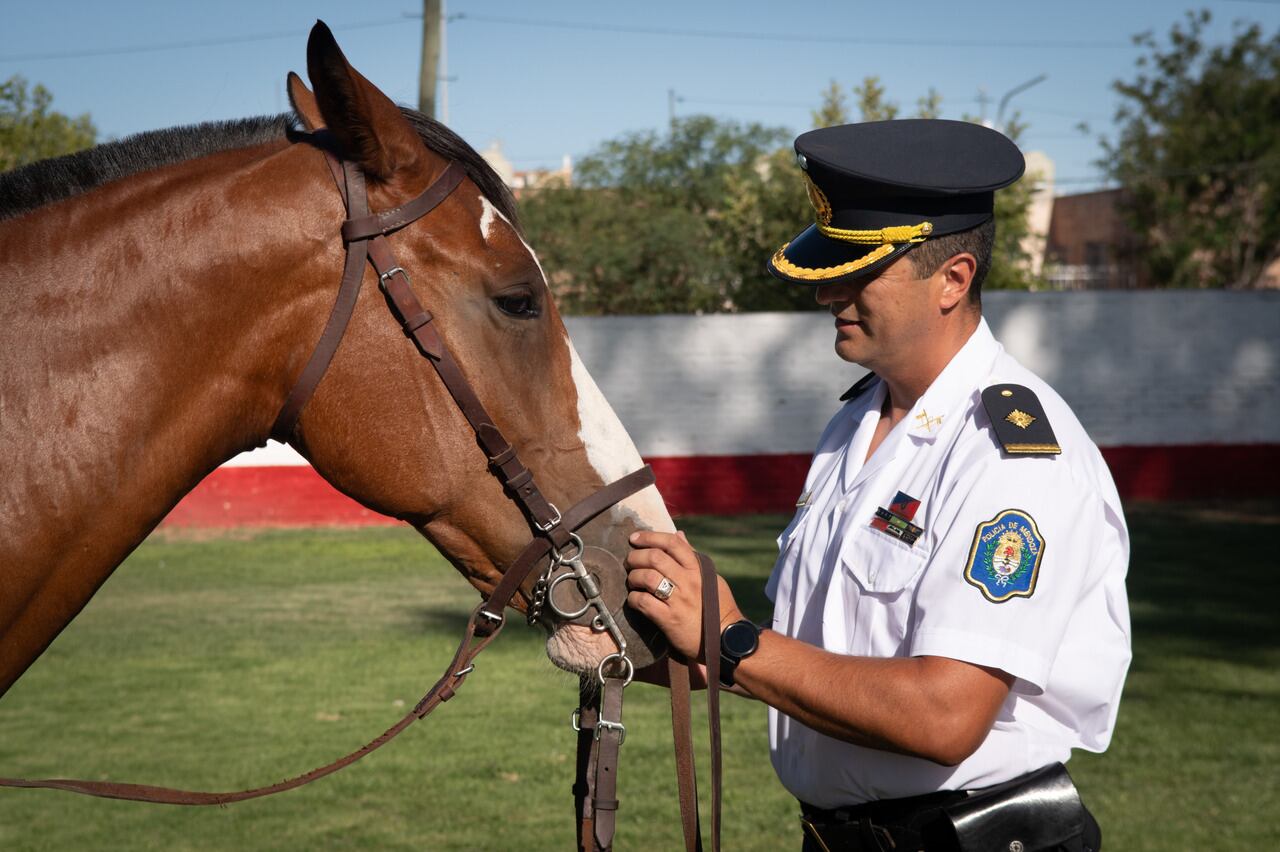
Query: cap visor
(812, 258)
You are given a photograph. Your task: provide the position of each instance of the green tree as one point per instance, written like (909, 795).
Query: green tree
(1198, 156)
(30, 130)
(834, 108)
(678, 222)
(684, 221)
(929, 105)
(871, 101)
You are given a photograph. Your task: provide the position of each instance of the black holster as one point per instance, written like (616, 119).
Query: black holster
(1039, 811)
(1036, 812)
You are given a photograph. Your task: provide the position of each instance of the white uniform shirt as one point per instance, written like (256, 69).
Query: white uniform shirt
(845, 586)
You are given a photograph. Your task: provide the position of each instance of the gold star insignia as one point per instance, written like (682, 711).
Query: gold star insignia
(1020, 418)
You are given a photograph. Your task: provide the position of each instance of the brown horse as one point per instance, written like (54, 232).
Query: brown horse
(161, 295)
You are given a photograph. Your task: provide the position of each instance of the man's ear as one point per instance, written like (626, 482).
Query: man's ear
(369, 128)
(957, 276)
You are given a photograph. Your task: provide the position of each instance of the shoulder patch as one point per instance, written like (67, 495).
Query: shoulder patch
(1019, 421)
(861, 385)
(1004, 561)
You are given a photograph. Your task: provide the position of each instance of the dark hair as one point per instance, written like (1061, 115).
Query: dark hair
(47, 181)
(929, 256)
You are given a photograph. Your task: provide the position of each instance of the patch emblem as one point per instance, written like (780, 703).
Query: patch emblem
(896, 520)
(1004, 561)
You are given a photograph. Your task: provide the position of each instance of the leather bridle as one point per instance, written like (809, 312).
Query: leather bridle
(599, 718)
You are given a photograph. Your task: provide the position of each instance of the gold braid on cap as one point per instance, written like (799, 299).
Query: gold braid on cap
(886, 240)
(805, 273)
(878, 236)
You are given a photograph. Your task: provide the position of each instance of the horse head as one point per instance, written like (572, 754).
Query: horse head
(382, 427)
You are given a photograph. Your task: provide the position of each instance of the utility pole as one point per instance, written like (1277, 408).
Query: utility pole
(444, 64)
(432, 23)
(1004, 101)
(671, 109)
(983, 100)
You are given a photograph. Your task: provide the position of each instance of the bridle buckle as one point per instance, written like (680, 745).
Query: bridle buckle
(382, 278)
(551, 524)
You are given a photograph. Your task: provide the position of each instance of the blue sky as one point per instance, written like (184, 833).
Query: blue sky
(565, 84)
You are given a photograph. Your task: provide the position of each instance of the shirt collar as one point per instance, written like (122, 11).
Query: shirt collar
(946, 399)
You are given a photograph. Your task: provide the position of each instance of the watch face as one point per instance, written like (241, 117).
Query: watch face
(739, 639)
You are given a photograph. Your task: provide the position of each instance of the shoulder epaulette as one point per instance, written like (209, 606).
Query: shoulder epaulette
(861, 385)
(1019, 421)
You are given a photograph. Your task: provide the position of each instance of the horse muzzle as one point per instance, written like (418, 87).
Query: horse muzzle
(591, 592)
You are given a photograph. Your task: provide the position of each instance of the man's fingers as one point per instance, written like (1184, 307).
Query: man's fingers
(670, 542)
(644, 579)
(658, 560)
(643, 602)
(674, 544)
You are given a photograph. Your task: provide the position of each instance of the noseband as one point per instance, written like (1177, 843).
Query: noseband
(599, 719)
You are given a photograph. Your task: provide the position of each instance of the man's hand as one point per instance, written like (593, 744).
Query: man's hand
(667, 555)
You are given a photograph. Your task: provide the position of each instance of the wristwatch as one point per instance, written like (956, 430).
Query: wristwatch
(737, 642)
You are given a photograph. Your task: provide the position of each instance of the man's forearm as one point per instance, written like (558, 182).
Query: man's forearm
(929, 707)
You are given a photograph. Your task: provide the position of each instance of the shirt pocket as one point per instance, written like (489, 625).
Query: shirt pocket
(881, 573)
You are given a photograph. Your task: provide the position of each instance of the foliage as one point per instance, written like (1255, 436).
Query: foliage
(1010, 262)
(929, 105)
(683, 221)
(1198, 155)
(31, 131)
(678, 222)
(871, 101)
(834, 109)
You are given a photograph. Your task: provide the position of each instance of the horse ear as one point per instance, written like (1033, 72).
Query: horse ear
(369, 128)
(304, 103)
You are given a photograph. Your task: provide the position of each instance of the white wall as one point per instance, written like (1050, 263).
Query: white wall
(1139, 368)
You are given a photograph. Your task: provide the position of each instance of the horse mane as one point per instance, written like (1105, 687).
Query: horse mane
(33, 186)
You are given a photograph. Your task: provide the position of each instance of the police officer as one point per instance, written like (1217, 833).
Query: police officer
(950, 617)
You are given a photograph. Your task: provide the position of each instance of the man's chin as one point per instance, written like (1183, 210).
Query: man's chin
(852, 350)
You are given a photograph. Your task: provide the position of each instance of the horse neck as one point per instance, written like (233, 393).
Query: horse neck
(148, 327)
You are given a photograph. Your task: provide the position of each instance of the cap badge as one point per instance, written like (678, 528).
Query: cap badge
(821, 206)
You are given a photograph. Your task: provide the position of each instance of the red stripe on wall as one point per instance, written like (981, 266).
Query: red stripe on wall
(1196, 471)
(718, 485)
(285, 496)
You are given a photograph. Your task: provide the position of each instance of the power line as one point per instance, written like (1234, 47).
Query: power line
(785, 37)
(205, 42)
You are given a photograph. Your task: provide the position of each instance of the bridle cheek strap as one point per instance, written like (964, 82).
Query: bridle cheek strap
(351, 184)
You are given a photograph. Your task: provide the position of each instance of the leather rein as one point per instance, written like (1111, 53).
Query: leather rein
(599, 718)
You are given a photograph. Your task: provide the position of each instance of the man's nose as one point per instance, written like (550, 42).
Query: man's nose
(826, 294)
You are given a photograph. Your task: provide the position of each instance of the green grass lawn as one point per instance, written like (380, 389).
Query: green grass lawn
(240, 660)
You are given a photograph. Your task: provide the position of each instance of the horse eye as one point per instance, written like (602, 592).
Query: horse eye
(517, 305)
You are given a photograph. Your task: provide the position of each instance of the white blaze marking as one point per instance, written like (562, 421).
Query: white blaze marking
(489, 212)
(610, 449)
(487, 217)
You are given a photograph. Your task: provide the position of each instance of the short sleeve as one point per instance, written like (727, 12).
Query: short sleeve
(1012, 556)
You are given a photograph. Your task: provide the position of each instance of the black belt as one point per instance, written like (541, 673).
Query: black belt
(1037, 811)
